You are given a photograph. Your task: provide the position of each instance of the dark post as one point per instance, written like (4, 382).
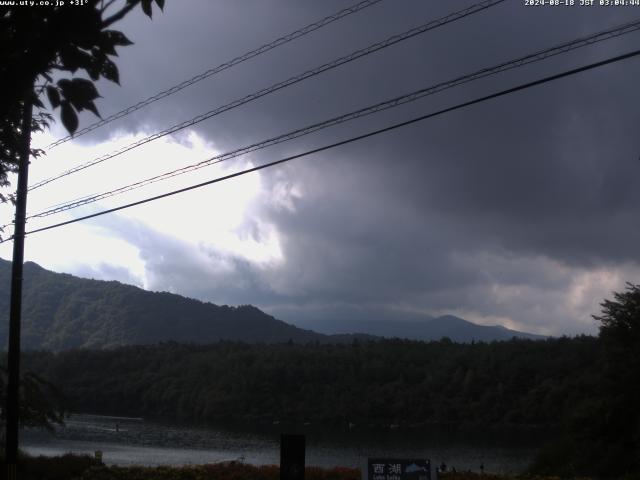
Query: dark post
(292, 457)
(13, 382)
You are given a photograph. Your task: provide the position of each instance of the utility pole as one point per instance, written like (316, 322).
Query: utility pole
(13, 382)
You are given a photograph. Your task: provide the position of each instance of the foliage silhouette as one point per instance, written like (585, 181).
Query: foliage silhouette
(42, 404)
(39, 44)
(408, 383)
(602, 432)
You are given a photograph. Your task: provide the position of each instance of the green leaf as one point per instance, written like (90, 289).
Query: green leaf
(85, 87)
(69, 117)
(160, 4)
(64, 85)
(79, 92)
(92, 108)
(73, 58)
(104, 46)
(110, 71)
(54, 96)
(117, 38)
(146, 7)
(93, 72)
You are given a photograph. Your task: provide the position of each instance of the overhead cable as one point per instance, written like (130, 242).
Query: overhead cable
(459, 106)
(385, 105)
(283, 84)
(212, 71)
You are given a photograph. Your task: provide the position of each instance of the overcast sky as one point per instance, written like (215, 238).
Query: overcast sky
(522, 211)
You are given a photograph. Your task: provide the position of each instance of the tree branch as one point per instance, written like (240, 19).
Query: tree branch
(118, 16)
(104, 8)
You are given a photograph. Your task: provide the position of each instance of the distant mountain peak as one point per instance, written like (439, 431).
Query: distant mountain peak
(61, 311)
(426, 328)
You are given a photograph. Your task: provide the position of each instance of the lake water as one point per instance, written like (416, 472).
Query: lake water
(127, 441)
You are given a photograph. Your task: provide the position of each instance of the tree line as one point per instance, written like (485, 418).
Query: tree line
(390, 382)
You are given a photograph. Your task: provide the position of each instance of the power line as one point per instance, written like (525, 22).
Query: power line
(280, 85)
(283, 84)
(212, 71)
(387, 104)
(350, 140)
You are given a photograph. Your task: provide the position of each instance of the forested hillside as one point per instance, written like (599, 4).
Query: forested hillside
(379, 383)
(61, 311)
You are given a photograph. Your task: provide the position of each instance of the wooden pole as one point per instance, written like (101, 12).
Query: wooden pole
(13, 381)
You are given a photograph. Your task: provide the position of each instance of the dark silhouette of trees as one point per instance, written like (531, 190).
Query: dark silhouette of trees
(602, 432)
(620, 338)
(38, 42)
(520, 382)
(620, 324)
(42, 404)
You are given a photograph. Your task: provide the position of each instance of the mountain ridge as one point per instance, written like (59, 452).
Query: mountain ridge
(62, 311)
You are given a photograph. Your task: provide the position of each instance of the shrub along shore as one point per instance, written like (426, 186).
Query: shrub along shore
(82, 467)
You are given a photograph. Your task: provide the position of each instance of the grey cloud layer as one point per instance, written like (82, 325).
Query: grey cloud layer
(495, 210)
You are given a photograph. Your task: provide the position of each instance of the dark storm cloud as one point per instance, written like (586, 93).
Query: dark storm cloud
(377, 252)
(495, 209)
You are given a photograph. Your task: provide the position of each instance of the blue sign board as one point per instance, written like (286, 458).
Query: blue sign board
(398, 469)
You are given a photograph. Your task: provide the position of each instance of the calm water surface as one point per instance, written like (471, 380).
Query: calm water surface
(126, 441)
